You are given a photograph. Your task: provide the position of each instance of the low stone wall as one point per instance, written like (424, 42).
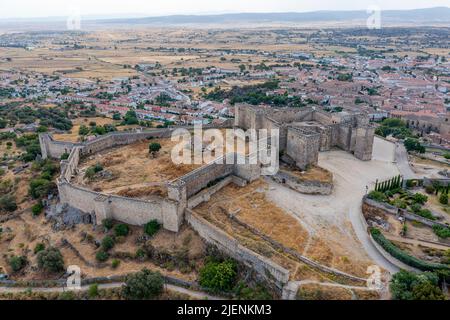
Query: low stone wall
(202, 177)
(440, 182)
(371, 207)
(294, 253)
(381, 208)
(266, 268)
(390, 258)
(414, 217)
(205, 195)
(303, 186)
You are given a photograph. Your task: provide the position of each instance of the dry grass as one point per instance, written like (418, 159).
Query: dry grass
(313, 173)
(133, 167)
(143, 192)
(20, 236)
(318, 292)
(251, 206)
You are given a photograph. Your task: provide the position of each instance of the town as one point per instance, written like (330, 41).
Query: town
(87, 178)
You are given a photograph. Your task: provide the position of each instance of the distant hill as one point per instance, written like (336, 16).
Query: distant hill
(418, 16)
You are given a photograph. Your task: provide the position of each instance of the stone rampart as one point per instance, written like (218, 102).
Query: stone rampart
(266, 268)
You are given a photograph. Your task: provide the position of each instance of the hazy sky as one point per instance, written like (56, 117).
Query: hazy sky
(47, 8)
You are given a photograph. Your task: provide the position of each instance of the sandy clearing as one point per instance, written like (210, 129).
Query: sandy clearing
(335, 219)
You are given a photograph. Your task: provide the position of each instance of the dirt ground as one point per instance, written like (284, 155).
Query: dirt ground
(427, 167)
(132, 167)
(318, 292)
(335, 219)
(20, 236)
(434, 205)
(314, 173)
(252, 206)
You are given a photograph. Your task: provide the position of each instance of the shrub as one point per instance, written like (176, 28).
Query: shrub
(152, 228)
(40, 188)
(403, 256)
(406, 285)
(143, 285)
(102, 256)
(107, 243)
(65, 156)
(17, 263)
(430, 189)
(441, 232)
(414, 145)
(39, 247)
(400, 203)
(93, 291)
(121, 230)
(415, 207)
(115, 263)
(443, 199)
(377, 196)
(37, 209)
(218, 276)
(92, 170)
(259, 292)
(51, 260)
(8, 203)
(425, 213)
(154, 147)
(140, 254)
(83, 130)
(67, 295)
(108, 224)
(419, 198)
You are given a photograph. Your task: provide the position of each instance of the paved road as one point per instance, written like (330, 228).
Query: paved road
(401, 158)
(192, 293)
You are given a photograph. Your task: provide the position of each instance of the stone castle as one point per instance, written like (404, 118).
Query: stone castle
(304, 132)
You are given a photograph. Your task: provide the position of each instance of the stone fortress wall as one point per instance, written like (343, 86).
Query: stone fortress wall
(306, 131)
(169, 211)
(104, 206)
(183, 193)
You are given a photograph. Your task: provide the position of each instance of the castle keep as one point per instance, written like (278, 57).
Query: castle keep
(304, 132)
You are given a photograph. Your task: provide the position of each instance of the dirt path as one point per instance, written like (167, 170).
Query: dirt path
(417, 242)
(192, 293)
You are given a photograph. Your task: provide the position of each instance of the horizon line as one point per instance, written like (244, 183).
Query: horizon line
(99, 16)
